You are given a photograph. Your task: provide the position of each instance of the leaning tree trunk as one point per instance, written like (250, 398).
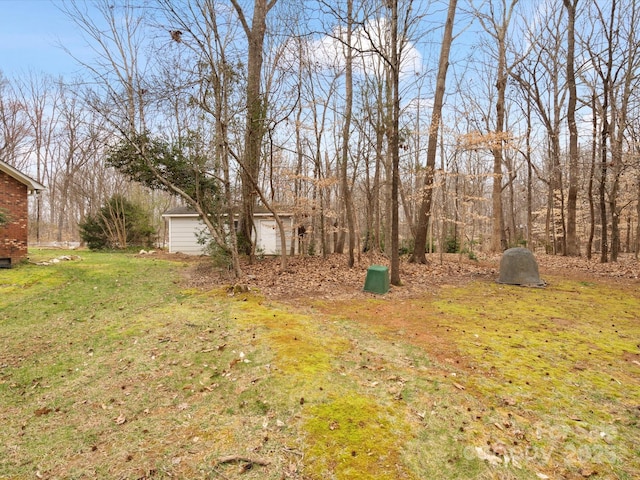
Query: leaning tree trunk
(424, 215)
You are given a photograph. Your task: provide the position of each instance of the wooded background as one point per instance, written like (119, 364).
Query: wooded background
(370, 120)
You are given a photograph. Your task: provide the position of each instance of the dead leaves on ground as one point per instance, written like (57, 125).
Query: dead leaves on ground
(331, 278)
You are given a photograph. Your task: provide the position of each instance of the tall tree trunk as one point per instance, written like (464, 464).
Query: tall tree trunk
(498, 239)
(513, 234)
(346, 128)
(615, 220)
(619, 115)
(255, 116)
(529, 177)
(498, 28)
(636, 247)
(556, 186)
(606, 91)
(379, 191)
(424, 215)
(394, 145)
(602, 188)
(592, 174)
(319, 193)
(572, 240)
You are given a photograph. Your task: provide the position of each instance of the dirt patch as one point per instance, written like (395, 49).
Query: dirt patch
(632, 358)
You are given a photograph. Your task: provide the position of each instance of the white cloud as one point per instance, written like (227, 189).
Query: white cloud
(329, 51)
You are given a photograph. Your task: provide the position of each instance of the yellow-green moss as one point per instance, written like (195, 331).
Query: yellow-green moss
(554, 340)
(561, 355)
(300, 346)
(352, 437)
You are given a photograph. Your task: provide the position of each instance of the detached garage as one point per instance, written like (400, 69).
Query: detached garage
(185, 227)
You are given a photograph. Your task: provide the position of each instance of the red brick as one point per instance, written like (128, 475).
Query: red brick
(13, 236)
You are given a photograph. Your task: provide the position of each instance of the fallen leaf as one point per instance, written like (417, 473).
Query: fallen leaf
(489, 457)
(120, 420)
(458, 386)
(42, 411)
(499, 449)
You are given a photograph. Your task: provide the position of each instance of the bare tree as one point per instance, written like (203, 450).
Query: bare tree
(603, 66)
(320, 94)
(394, 62)
(116, 34)
(255, 114)
(13, 125)
(346, 132)
(391, 49)
(540, 79)
(627, 72)
(572, 241)
(209, 34)
(496, 24)
(424, 214)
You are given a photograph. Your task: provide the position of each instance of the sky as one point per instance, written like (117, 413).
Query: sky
(30, 32)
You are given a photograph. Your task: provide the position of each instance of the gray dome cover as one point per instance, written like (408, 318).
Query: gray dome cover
(519, 267)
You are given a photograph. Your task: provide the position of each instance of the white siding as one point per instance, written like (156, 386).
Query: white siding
(183, 233)
(268, 235)
(184, 230)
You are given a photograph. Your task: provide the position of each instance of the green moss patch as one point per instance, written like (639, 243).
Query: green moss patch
(558, 359)
(353, 437)
(301, 345)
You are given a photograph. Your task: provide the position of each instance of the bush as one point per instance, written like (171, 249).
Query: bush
(119, 224)
(406, 247)
(451, 244)
(220, 255)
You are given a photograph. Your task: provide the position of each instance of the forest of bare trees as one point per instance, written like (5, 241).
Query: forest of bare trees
(470, 125)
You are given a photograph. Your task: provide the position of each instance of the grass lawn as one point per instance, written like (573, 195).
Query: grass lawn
(110, 367)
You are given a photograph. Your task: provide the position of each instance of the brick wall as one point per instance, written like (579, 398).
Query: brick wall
(13, 236)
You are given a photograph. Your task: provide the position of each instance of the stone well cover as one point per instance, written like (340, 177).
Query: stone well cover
(519, 267)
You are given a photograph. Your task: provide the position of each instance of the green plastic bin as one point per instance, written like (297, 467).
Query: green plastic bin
(377, 280)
